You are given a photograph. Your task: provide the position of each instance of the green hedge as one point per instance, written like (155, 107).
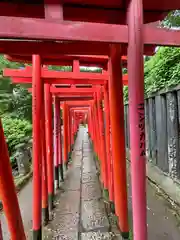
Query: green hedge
(16, 131)
(161, 71)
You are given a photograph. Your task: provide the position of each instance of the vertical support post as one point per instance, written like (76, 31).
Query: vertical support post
(107, 132)
(60, 148)
(118, 139)
(65, 122)
(45, 209)
(56, 140)
(8, 193)
(1, 236)
(37, 93)
(137, 118)
(94, 105)
(73, 128)
(96, 121)
(103, 143)
(49, 144)
(70, 134)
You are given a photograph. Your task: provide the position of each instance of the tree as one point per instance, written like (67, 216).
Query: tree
(14, 99)
(172, 20)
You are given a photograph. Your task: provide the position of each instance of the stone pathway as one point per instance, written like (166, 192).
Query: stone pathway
(80, 211)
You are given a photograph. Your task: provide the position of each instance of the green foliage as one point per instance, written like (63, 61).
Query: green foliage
(69, 69)
(21, 105)
(4, 63)
(60, 68)
(172, 19)
(14, 99)
(16, 131)
(161, 71)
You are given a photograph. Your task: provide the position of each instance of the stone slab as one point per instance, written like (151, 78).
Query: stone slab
(67, 236)
(72, 185)
(72, 182)
(100, 236)
(73, 173)
(88, 165)
(89, 177)
(68, 203)
(64, 223)
(91, 190)
(93, 216)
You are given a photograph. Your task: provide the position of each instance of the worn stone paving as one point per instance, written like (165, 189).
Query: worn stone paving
(80, 212)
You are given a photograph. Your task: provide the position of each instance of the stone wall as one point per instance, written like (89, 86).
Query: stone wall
(162, 116)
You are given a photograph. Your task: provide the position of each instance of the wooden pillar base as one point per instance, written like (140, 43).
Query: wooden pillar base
(51, 202)
(125, 235)
(37, 234)
(61, 171)
(45, 216)
(56, 172)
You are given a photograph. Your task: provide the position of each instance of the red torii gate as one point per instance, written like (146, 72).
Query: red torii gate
(74, 22)
(73, 61)
(82, 91)
(72, 91)
(57, 77)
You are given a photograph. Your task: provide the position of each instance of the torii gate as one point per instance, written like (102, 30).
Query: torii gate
(67, 91)
(75, 91)
(87, 33)
(18, 73)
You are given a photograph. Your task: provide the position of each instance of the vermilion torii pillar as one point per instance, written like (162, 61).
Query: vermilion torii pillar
(118, 139)
(60, 151)
(45, 208)
(65, 126)
(37, 88)
(49, 144)
(9, 198)
(137, 119)
(1, 236)
(108, 150)
(56, 140)
(102, 139)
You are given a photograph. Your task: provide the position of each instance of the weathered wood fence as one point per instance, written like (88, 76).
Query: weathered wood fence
(162, 117)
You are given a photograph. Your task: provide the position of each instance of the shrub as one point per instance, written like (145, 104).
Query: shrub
(16, 131)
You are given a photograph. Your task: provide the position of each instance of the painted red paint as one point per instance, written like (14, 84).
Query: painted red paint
(49, 49)
(118, 139)
(45, 73)
(8, 193)
(137, 119)
(60, 81)
(39, 29)
(49, 144)
(37, 88)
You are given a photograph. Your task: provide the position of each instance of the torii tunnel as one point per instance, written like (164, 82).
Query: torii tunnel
(105, 34)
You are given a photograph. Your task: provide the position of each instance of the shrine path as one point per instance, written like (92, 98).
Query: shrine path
(80, 211)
